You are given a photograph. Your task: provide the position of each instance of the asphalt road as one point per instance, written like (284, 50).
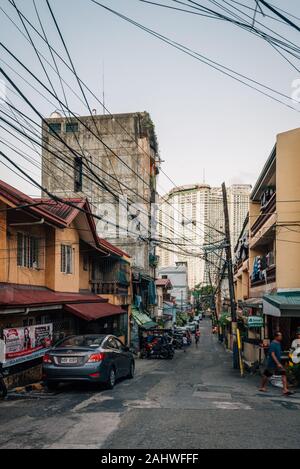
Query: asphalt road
(194, 401)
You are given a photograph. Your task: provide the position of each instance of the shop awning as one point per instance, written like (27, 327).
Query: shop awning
(252, 303)
(92, 311)
(282, 304)
(142, 319)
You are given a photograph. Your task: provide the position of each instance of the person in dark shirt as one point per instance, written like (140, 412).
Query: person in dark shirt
(274, 365)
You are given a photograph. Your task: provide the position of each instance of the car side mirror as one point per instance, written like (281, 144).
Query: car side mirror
(127, 349)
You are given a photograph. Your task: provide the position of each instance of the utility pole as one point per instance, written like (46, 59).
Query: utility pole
(230, 277)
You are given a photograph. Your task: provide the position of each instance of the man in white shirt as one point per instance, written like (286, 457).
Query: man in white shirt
(296, 342)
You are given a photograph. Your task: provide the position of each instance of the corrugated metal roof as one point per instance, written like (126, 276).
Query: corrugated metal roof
(284, 299)
(13, 296)
(57, 213)
(106, 244)
(61, 210)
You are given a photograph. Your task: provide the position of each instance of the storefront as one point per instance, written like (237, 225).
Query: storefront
(31, 320)
(140, 322)
(252, 331)
(282, 312)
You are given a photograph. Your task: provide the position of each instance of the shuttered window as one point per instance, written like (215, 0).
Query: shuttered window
(66, 259)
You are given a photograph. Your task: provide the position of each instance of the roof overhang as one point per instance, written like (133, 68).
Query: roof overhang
(282, 305)
(266, 173)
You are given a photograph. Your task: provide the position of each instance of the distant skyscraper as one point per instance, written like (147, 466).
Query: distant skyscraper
(191, 223)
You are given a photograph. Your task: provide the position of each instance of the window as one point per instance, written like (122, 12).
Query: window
(85, 262)
(77, 174)
(54, 128)
(111, 343)
(27, 251)
(66, 259)
(72, 127)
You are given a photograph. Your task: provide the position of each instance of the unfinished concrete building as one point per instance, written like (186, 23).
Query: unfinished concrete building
(113, 161)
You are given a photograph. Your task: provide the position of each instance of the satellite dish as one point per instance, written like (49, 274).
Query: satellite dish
(296, 356)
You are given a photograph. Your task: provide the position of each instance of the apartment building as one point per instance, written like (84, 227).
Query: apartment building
(113, 161)
(271, 300)
(192, 217)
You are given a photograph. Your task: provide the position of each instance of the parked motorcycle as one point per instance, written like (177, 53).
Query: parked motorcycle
(177, 341)
(159, 348)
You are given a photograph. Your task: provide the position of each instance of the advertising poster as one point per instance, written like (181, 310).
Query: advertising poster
(26, 343)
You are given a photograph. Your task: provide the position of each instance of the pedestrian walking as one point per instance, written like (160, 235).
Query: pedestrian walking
(197, 336)
(274, 366)
(184, 342)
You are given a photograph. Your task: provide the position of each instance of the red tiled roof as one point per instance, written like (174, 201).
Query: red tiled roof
(13, 296)
(18, 198)
(92, 311)
(57, 212)
(105, 244)
(61, 210)
(163, 282)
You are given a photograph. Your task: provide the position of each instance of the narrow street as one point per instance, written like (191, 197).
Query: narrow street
(194, 401)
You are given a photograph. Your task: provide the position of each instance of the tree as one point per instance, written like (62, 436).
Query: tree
(203, 295)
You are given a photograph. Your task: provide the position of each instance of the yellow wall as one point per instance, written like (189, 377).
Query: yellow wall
(48, 272)
(288, 189)
(84, 277)
(3, 245)
(23, 275)
(66, 282)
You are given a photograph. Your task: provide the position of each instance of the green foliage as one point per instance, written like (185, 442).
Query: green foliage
(204, 295)
(181, 319)
(224, 319)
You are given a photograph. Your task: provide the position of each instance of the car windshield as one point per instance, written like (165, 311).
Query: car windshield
(82, 341)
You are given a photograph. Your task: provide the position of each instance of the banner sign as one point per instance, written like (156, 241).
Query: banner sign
(26, 343)
(255, 321)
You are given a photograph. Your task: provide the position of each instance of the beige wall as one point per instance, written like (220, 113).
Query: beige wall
(66, 282)
(84, 277)
(288, 189)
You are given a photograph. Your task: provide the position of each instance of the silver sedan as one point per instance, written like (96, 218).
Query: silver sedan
(91, 358)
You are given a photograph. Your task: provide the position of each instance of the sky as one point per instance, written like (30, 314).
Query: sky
(204, 120)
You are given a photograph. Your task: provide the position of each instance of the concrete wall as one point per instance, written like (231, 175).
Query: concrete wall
(288, 209)
(131, 139)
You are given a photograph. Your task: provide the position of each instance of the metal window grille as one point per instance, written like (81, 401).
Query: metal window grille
(66, 258)
(27, 251)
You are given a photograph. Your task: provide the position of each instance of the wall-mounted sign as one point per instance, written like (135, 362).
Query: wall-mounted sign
(26, 343)
(255, 321)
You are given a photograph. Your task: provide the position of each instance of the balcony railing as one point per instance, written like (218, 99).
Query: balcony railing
(108, 288)
(269, 277)
(265, 214)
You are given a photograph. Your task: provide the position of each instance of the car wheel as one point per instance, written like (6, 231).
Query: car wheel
(52, 386)
(111, 379)
(131, 371)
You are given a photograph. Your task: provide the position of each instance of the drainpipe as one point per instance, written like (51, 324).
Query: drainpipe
(40, 222)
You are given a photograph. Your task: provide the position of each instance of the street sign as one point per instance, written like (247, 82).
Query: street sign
(255, 321)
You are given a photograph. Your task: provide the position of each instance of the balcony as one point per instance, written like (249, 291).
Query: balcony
(266, 212)
(108, 288)
(269, 276)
